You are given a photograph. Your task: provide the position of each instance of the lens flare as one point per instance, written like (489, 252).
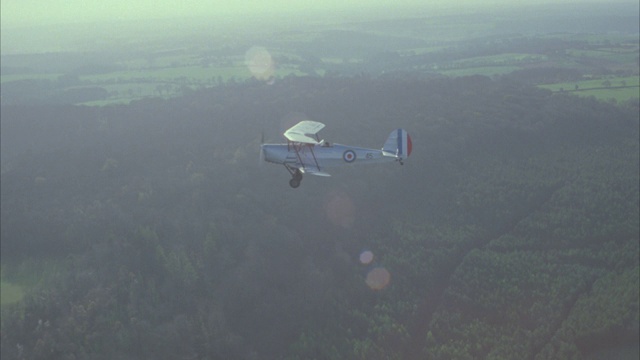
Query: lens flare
(378, 278)
(260, 63)
(340, 210)
(366, 257)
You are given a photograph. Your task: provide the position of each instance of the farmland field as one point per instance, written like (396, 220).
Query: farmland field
(481, 70)
(605, 65)
(10, 293)
(606, 88)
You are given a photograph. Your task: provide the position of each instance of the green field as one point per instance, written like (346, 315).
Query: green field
(173, 74)
(10, 293)
(482, 70)
(613, 55)
(167, 68)
(618, 88)
(16, 279)
(501, 59)
(127, 86)
(28, 76)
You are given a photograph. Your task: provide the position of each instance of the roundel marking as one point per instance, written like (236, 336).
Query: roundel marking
(349, 156)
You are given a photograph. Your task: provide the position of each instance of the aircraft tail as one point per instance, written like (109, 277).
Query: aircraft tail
(398, 144)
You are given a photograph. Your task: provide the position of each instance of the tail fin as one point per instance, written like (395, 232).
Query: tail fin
(398, 144)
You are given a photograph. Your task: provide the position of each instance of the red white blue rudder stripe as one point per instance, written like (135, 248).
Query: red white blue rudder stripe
(398, 144)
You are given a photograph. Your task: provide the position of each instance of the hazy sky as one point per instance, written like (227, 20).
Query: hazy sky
(30, 12)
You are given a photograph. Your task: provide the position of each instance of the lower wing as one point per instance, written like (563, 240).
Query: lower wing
(312, 170)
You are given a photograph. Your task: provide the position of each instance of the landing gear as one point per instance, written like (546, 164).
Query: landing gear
(294, 183)
(296, 177)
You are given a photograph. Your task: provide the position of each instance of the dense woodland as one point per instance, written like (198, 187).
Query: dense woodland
(511, 232)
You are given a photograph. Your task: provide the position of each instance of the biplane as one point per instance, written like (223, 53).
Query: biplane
(305, 153)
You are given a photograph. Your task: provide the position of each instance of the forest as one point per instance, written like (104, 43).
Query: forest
(150, 230)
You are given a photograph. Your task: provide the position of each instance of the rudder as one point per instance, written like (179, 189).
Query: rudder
(398, 144)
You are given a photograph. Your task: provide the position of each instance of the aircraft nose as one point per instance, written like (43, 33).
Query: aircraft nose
(271, 154)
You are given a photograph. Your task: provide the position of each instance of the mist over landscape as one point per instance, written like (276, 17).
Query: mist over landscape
(139, 222)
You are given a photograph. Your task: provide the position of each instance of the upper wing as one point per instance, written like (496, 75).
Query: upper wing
(304, 132)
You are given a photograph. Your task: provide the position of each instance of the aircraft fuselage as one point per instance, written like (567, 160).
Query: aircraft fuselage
(325, 155)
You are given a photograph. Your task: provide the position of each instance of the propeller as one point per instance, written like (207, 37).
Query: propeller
(261, 155)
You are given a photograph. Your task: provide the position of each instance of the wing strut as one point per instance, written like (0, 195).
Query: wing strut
(297, 147)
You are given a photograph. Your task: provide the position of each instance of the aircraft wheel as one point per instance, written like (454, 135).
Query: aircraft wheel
(294, 183)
